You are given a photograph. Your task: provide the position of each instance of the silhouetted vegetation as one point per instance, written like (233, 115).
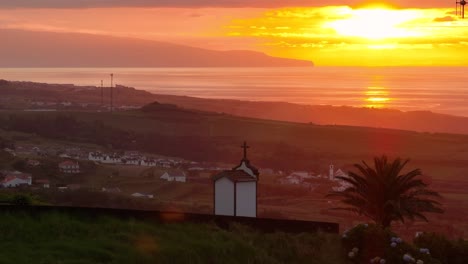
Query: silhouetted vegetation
(385, 194)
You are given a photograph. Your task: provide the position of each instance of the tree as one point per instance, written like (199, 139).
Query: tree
(385, 194)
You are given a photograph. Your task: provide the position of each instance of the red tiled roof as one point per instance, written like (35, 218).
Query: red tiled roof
(68, 163)
(42, 181)
(235, 176)
(23, 176)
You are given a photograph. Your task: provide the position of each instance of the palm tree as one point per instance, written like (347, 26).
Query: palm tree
(385, 194)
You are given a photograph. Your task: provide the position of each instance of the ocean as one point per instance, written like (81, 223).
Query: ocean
(436, 89)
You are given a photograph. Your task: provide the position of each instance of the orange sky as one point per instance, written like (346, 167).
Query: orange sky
(328, 35)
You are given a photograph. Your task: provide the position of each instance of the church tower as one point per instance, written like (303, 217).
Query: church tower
(331, 174)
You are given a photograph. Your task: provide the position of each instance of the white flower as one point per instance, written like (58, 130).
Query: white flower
(424, 250)
(393, 244)
(419, 262)
(407, 257)
(351, 254)
(355, 250)
(366, 225)
(393, 239)
(383, 261)
(399, 240)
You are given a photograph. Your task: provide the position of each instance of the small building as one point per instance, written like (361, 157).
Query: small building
(112, 159)
(174, 175)
(142, 195)
(148, 162)
(297, 177)
(15, 179)
(111, 189)
(96, 156)
(69, 167)
(235, 190)
(33, 163)
(44, 183)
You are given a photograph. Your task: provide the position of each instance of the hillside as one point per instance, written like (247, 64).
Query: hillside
(18, 95)
(46, 49)
(282, 146)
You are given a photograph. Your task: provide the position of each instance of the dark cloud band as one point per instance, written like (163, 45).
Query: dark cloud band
(205, 3)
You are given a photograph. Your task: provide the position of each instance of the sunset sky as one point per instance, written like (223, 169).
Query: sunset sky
(347, 32)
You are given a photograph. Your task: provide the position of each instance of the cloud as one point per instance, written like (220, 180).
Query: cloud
(203, 3)
(444, 19)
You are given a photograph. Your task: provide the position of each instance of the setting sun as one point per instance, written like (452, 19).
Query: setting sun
(375, 24)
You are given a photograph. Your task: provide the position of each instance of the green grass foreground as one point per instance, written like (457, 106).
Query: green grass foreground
(55, 237)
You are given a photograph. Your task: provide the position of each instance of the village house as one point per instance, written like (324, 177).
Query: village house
(297, 178)
(174, 175)
(111, 189)
(164, 163)
(96, 156)
(12, 152)
(131, 153)
(131, 161)
(33, 163)
(44, 183)
(235, 190)
(112, 159)
(142, 195)
(15, 179)
(148, 162)
(69, 167)
(342, 185)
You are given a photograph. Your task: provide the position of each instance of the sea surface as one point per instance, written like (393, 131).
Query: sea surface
(437, 89)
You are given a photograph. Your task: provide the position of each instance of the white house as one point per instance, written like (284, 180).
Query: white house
(164, 163)
(112, 159)
(142, 195)
(131, 161)
(45, 183)
(148, 162)
(96, 156)
(296, 177)
(70, 167)
(174, 175)
(33, 163)
(235, 190)
(15, 179)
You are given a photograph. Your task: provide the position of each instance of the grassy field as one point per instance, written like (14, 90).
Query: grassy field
(69, 238)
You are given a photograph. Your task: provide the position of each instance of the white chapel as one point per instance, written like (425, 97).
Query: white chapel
(235, 191)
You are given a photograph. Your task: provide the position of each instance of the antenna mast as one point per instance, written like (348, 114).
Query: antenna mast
(460, 8)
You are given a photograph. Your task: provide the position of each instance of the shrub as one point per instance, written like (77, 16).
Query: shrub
(21, 200)
(448, 252)
(374, 244)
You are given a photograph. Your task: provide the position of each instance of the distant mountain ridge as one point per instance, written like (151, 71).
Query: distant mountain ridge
(48, 49)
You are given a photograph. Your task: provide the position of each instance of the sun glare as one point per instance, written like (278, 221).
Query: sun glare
(375, 24)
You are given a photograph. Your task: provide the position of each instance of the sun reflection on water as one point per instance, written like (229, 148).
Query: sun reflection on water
(376, 97)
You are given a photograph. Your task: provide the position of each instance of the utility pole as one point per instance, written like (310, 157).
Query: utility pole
(112, 93)
(102, 94)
